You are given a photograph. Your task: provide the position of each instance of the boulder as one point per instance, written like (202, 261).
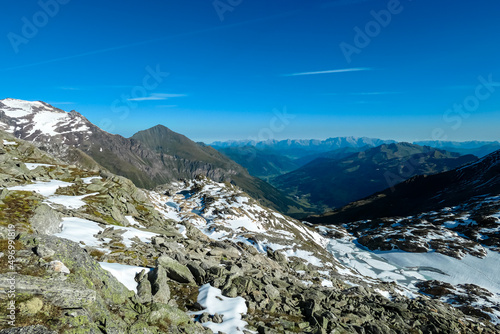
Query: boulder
(144, 289)
(198, 272)
(59, 293)
(46, 220)
(175, 270)
(159, 286)
(272, 292)
(58, 267)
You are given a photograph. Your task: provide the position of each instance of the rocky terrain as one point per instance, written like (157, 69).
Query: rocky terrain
(470, 228)
(95, 254)
(445, 227)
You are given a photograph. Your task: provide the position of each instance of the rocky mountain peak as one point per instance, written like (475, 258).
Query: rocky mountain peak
(21, 108)
(37, 119)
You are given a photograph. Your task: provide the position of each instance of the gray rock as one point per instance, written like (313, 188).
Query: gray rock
(157, 240)
(272, 292)
(59, 267)
(174, 315)
(144, 289)
(46, 220)
(59, 293)
(197, 271)
(159, 286)
(205, 317)
(217, 318)
(227, 252)
(175, 270)
(44, 251)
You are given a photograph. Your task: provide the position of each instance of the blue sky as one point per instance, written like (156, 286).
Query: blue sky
(257, 69)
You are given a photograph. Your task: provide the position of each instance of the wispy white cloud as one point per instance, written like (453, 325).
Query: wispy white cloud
(342, 70)
(157, 97)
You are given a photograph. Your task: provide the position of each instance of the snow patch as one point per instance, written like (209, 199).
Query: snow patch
(231, 308)
(70, 202)
(32, 166)
(8, 142)
(125, 274)
(88, 180)
(77, 229)
(43, 188)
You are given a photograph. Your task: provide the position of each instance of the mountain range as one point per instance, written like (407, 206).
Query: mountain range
(269, 159)
(190, 254)
(424, 193)
(149, 158)
(332, 183)
(298, 146)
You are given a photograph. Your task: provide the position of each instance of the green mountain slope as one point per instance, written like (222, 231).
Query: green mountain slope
(330, 183)
(423, 193)
(263, 164)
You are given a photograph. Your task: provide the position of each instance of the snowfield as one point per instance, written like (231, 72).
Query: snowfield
(408, 269)
(77, 229)
(48, 189)
(42, 118)
(223, 213)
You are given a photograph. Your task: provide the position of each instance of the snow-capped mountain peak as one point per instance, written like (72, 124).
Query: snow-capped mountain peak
(20, 108)
(31, 119)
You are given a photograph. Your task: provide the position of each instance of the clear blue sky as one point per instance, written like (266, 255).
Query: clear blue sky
(228, 77)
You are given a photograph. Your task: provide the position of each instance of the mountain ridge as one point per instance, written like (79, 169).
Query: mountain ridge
(333, 183)
(424, 193)
(73, 138)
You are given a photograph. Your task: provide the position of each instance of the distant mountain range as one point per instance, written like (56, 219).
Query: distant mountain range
(272, 158)
(149, 158)
(477, 148)
(300, 147)
(268, 159)
(424, 193)
(329, 183)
